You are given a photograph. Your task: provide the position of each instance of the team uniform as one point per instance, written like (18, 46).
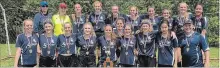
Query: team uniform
(135, 23)
(78, 25)
(67, 50)
(127, 57)
(39, 20)
(112, 21)
(98, 22)
(200, 24)
(87, 55)
(108, 49)
(58, 22)
(48, 47)
(166, 50)
(28, 45)
(146, 46)
(191, 50)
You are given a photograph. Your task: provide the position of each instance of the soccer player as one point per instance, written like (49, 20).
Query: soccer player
(60, 19)
(166, 46)
(97, 18)
(108, 46)
(67, 49)
(41, 17)
(127, 45)
(134, 18)
(78, 19)
(191, 47)
(48, 46)
(146, 45)
(26, 46)
(87, 43)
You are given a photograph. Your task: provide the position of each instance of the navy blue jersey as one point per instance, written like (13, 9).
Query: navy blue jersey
(78, 24)
(178, 25)
(146, 44)
(28, 47)
(112, 21)
(67, 44)
(98, 21)
(48, 45)
(108, 48)
(166, 50)
(87, 46)
(39, 20)
(135, 23)
(127, 47)
(200, 24)
(191, 50)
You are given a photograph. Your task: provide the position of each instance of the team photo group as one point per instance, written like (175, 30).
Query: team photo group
(113, 39)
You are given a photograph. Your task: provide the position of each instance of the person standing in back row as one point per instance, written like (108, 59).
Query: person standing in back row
(97, 18)
(60, 19)
(41, 17)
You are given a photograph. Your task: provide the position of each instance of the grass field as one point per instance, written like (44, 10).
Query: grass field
(214, 53)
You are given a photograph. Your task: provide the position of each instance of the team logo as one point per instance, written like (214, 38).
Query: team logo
(45, 45)
(63, 45)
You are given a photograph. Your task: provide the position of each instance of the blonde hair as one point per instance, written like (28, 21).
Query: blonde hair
(113, 35)
(186, 15)
(146, 21)
(135, 9)
(92, 29)
(97, 2)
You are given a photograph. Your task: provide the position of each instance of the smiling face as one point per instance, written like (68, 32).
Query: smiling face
(133, 11)
(97, 6)
(166, 13)
(164, 28)
(87, 28)
(78, 8)
(28, 26)
(108, 30)
(183, 8)
(127, 30)
(62, 11)
(188, 28)
(115, 10)
(119, 24)
(151, 11)
(48, 28)
(198, 10)
(145, 27)
(67, 28)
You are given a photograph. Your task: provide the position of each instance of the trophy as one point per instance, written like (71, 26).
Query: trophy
(108, 62)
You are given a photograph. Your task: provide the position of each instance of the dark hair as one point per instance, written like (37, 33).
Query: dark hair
(120, 18)
(198, 4)
(165, 22)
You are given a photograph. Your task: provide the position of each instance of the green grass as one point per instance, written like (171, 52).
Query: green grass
(214, 53)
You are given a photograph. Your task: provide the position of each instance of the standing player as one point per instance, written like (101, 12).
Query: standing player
(60, 19)
(87, 44)
(26, 47)
(67, 49)
(107, 44)
(48, 45)
(97, 18)
(191, 47)
(166, 46)
(41, 17)
(146, 45)
(134, 18)
(78, 20)
(127, 48)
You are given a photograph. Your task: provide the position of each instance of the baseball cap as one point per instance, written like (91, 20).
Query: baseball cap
(43, 3)
(63, 5)
(188, 21)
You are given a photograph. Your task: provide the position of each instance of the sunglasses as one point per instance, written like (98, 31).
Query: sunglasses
(44, 6)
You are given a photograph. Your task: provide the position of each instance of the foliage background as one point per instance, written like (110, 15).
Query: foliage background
(18, 10)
